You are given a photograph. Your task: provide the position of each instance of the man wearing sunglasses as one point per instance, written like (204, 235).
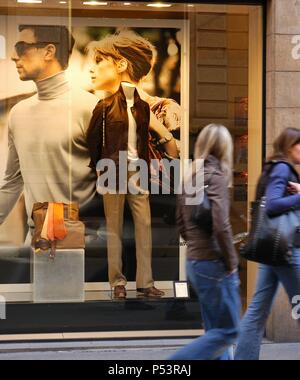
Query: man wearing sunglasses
(48, 157)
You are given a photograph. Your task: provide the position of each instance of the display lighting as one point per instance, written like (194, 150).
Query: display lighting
(94, 3)
(159, 5)
(30, 1)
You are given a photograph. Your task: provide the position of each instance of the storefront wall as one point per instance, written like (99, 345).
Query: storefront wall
(220, 78)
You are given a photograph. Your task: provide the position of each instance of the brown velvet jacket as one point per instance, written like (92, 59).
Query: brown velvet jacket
(217, 244)
(107, 134)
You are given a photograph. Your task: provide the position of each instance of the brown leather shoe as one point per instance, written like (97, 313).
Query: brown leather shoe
(120, 292)
(151, 292)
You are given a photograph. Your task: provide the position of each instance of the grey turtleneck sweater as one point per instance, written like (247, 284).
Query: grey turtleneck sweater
(48, 157)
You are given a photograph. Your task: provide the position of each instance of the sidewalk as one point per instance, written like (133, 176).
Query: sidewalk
(154, 349)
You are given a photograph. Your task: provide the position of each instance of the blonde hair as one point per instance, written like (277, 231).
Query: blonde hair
(215, 140)
(127, 44)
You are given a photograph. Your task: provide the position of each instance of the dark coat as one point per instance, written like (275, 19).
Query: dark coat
(107, 134)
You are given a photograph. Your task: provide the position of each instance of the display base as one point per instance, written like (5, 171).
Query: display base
(58, 280)
(131, 314)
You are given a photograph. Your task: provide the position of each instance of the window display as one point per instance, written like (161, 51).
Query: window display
(96, 105)
(57, 99)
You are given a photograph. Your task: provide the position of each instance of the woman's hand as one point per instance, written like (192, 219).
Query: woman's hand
(293, 187)
(157, 127)
(232, 272)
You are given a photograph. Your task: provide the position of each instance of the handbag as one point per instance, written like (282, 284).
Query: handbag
(159, 175)
(202, 214)
(57, 226)
(271, 238)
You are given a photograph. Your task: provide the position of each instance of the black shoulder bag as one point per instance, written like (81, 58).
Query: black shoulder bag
(271, 238)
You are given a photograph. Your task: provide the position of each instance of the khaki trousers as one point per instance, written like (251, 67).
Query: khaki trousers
(114, 213)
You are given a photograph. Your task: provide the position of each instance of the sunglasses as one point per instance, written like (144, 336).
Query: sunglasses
(21, 47)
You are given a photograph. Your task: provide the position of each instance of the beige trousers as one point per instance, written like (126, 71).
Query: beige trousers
(114, 213)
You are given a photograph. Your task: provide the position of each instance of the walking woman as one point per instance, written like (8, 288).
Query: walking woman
(280, 185)
(211, 257)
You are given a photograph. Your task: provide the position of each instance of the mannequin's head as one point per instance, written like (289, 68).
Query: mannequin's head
(124, 56)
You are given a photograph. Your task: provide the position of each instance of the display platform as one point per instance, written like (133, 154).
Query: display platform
(103, 314)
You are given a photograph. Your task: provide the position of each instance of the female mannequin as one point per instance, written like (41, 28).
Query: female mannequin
(123, 121)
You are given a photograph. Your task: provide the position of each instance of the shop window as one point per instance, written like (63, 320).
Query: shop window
(204, 69)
